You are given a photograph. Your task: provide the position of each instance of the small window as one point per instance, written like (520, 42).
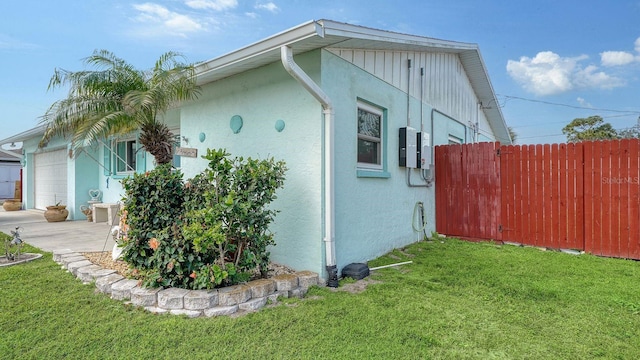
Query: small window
(370, 135)
(175, 144)
(125, 156)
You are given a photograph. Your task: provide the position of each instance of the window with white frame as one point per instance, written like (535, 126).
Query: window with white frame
(125, 158)
(175, 144)
(370, 136)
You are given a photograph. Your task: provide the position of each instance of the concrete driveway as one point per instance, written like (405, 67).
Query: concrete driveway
(79, 235)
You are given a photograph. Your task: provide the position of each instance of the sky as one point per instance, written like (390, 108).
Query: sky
(549, 61)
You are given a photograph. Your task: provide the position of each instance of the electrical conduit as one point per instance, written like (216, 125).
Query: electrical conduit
(286, 56)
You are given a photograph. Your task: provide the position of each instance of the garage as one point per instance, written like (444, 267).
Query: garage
(50, 178)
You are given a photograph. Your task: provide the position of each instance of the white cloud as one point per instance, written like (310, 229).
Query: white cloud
(620, 58)
(217, 5)
(548, 73)
(268, 6)
(616, 58)
(9, 43)
(584, 102)
(251, 15)
(591, 78)
(165, 21)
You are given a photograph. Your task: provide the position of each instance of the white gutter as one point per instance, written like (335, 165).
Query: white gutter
(286, 55)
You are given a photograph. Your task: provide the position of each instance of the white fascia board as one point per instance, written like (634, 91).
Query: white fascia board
(365, 33)
(25, 135)
(273, 43)
(488, 98)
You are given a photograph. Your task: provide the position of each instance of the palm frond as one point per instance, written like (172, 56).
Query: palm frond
(114, 98)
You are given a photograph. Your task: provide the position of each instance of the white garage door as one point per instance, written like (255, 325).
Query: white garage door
(50, 178)
(9, 174)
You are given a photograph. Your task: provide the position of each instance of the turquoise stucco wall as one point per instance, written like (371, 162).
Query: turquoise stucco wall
(85, 173)
(373, 214)
(261, 97)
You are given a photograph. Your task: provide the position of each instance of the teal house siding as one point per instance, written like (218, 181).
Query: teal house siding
(262, 98)
(373, 214)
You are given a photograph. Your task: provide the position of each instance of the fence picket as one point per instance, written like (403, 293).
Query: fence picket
(580, 237)
(624, 203)
(563, 213)
(634, 199)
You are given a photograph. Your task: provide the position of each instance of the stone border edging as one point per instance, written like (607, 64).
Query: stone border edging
(32, 256)
(193, 303)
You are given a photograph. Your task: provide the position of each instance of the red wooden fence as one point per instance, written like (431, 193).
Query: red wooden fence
(583, 196)
(468, 190)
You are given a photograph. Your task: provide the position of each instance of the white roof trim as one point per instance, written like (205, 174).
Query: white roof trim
(11, 154)
(318, 34)
(25, 135)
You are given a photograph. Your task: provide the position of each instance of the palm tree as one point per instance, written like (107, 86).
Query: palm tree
(117, 99)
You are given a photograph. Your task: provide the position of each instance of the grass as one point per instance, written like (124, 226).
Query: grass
(457, 300)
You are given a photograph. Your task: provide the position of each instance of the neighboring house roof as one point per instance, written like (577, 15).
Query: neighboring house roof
(10, 155)
(25, 135)
(326, 33)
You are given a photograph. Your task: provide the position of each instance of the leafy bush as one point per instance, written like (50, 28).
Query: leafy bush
(229, 219)
(153, 245)
(207, 232)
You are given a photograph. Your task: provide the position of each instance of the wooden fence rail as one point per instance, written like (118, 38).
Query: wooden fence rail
(583, 196)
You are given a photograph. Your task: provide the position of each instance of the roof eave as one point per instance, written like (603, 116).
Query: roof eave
(335, 34)
(273, 43)
(477, 71)
(25, 135)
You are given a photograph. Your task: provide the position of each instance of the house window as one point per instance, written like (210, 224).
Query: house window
(175, 144)
(125, 156)
(370, 135)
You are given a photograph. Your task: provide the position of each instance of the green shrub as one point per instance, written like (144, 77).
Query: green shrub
(229, 219)
(154, 246)
(211, 231)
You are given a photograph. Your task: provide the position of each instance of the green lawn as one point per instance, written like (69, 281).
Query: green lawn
(457, 300)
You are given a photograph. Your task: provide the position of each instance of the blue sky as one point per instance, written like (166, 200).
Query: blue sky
(549, 61)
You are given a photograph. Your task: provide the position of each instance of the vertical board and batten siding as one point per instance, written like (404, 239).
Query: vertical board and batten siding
(583, 196)
(445, 84)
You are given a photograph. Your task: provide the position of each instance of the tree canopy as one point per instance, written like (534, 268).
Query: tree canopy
(590, 128)
(114, 98)
(512, 134)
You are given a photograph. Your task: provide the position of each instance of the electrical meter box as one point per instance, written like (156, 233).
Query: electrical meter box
(424, 150)
(408, 151)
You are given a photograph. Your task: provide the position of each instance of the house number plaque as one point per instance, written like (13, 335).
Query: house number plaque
(187, 152)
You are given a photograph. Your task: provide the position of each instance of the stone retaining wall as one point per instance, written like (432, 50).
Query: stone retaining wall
(193, 303)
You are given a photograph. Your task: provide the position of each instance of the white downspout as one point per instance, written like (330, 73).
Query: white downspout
(286, 55)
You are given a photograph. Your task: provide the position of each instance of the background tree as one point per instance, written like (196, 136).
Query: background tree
(512, 134)
(591, 128)
(116, 99)
(630, 133)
